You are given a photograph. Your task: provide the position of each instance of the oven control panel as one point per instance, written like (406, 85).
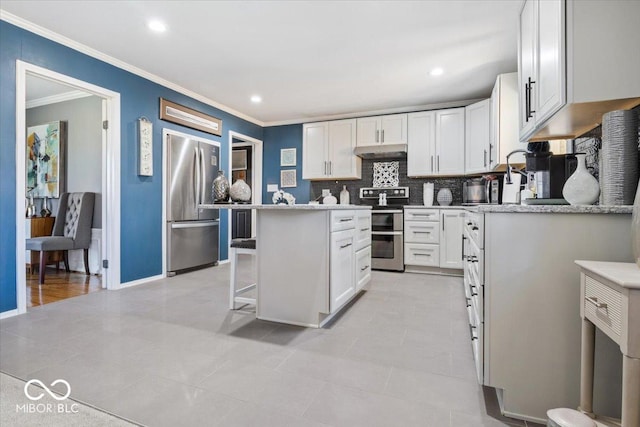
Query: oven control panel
(391, 192)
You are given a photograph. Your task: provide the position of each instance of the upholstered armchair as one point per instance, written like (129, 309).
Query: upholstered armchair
(71, 230)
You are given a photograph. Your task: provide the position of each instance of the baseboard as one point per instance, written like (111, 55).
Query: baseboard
(140, 281)
(9, 313)
(224, 261)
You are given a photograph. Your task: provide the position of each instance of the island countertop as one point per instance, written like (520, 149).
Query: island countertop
(314, 207)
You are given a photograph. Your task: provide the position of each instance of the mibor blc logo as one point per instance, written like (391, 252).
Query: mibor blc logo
(40, 408)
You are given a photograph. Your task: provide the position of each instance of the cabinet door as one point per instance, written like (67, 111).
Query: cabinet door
(342, 274)
(551, 93)
(363, 229)
(527, 65)
(421, 140)
(494, 127)
(342, 140)
(315, 142)
(451, 239)
(450, 141)
(477, 138)
(368, 131)
(394, 129)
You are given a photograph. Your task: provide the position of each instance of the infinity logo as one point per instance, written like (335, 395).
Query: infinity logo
(51, 393)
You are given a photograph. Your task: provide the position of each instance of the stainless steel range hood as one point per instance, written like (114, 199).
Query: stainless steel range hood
(382, 151)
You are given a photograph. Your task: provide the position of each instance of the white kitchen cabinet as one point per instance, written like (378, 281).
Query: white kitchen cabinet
(342, 277)
(363, 267)
(477, 137)
(451, 238)
(450, 141)
(327, 150)
(436, 142)
(563, 92)
(504, 122)
(363, 229)
(433, 238)
(390, 129)
(421, 143)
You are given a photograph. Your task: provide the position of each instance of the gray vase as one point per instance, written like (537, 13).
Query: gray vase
(220, 188)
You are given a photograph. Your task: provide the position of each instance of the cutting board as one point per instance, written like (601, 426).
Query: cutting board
(511, 192)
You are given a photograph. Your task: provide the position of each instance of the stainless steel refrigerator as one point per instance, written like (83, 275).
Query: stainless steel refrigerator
(192, 233)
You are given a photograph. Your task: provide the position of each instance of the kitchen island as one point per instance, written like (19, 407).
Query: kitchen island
(311, 259)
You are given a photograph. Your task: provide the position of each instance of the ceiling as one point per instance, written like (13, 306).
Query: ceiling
(306, 59)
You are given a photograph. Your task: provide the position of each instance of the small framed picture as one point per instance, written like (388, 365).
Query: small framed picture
(288, 178)
(288, 157)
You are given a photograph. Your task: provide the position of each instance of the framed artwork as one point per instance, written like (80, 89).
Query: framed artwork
(238, 160)
(46, 156)
(288, 178)
(145, 147)
(185, 116)
(288, 157)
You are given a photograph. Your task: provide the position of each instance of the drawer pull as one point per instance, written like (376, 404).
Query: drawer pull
(471, 328)
(364, 229)
(364, 268)
(421, 232)
(474, 228)
(346, 219)
(594, 301)
(345, 246)
(417, 253)
(473, 293)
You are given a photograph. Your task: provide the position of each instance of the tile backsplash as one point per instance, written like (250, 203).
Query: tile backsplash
(414, 184)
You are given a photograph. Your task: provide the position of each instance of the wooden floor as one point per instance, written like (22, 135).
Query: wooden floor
(59, 286)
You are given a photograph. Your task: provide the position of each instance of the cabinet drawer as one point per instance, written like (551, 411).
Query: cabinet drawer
(421, 215)
(608, 318)
(343, 220)
(363, 267)
(363, 230)
(474, 224)
(422, 254)
(422, 232)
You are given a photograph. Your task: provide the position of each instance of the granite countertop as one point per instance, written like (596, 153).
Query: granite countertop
(565, 209)
(284, 207)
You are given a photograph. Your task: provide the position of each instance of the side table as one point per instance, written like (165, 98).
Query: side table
(610, 301)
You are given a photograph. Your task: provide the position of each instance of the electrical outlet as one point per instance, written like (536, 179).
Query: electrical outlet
(272, 188)
(325, 192)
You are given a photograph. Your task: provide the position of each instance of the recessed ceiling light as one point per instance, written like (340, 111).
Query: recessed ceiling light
(256, 99)
(157, 26)
(437, 72)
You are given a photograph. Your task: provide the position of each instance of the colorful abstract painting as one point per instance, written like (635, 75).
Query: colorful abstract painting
(45, 159)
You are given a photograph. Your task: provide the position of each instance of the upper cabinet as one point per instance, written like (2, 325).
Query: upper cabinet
(436, 143)
(504, 123)
(327, 150)
(477, 140)
(567, 79)
(391, 129)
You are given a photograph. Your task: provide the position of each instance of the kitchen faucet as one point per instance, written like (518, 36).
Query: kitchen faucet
(508, 176)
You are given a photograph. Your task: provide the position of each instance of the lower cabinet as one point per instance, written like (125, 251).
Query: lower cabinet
(433, 238)
(363, 267)
(342, 277)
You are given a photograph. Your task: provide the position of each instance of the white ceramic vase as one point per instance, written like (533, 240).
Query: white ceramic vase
(581, 188)
(240, 191)
(444, 197)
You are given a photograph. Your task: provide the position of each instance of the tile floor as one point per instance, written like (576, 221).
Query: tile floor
(170, 353)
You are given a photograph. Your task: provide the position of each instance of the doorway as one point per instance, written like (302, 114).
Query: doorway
(243, 222)
(64, 91)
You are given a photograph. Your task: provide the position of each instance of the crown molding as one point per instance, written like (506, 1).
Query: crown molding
(410, 109)
(53, 99)
(65, 41)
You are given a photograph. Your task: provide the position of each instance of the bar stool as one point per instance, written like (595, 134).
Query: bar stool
(237, 247)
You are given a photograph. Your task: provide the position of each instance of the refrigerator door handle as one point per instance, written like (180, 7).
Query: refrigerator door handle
(196, 172)
(203, 169)
(213, 223)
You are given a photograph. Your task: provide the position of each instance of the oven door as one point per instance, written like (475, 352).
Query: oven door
(387, 252)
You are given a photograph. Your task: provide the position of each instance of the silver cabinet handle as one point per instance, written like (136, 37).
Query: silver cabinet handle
(471, 328)
(490, 150)
(377, 136)
(346, 219)
(330, 167)
(438, 162)
(432, 170)
(364, 229)
(594, 301)
(382, 135)
(364, 268)
(345, 246)
(485, 158)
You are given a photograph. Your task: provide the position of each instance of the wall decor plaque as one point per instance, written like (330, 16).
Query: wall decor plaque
(185, 116)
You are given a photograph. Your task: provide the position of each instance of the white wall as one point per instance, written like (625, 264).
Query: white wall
(84, 145)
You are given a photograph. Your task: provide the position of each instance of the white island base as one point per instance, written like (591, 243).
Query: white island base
(311, 260)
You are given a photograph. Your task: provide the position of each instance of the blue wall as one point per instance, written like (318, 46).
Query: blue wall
(141, 197)
(276, 138)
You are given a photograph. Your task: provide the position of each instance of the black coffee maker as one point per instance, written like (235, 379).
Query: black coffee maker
(549, 171)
